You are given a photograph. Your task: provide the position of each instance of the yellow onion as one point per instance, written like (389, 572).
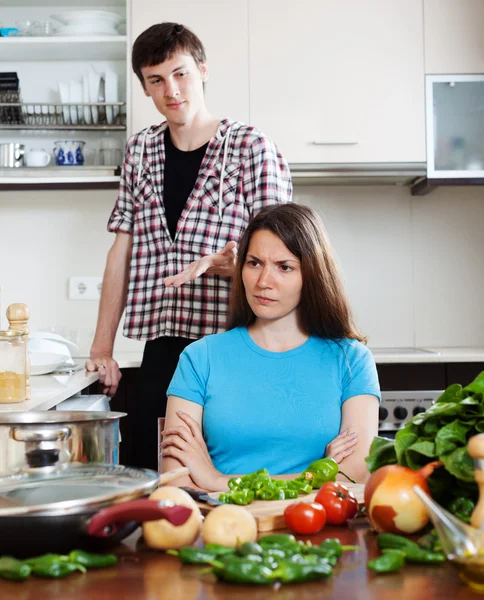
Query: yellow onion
(391, 504)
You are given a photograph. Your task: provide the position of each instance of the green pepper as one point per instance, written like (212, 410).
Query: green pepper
(397, 542)
(292, 572)
(320, 471)
(275, 552)
(277, 539)
(190, 555)
(242, 571)
(218, 549)
(53, 565)
(413, 552)
(421, 556)
(249, 548)
(430, 541)
(13, 569)
(241, 496)
(92, 561)
(234, 483)
(290, 494)
(390, 562)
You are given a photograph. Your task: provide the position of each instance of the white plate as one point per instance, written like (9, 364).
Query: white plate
(78, 17)
(55, 337)
(42, 363)
(74, 30)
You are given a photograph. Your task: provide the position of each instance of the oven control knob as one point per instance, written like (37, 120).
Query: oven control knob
(382, 413)
(418, 409)
(400, 412)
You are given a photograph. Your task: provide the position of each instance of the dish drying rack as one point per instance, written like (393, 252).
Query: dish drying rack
(107, 116)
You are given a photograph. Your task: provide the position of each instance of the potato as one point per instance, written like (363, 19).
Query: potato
(161, 534)
(229, 525)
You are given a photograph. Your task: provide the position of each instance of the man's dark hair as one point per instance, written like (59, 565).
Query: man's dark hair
(160, 42)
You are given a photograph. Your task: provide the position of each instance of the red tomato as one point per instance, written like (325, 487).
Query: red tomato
(305, 517)
(340, 504)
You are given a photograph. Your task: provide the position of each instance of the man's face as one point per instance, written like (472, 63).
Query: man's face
(176, 87)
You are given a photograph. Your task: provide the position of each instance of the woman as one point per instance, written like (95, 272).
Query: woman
(290, 380)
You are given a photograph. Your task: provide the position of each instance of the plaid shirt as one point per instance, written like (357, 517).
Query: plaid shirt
(255, 175)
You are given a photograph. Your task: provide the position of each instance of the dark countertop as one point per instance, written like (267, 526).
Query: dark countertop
(144, 574)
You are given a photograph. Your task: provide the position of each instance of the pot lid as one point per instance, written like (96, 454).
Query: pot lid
(72, 488)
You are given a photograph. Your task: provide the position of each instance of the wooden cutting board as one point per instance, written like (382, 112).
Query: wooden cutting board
(269, 514)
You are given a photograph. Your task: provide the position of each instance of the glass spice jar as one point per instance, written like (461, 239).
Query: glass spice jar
(12, 367)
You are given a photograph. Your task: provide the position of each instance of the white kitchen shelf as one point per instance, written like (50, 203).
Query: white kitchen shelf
(60, 48)
(58, 175)
(98, 4)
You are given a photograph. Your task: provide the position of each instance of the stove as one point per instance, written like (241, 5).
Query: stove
(397, 408)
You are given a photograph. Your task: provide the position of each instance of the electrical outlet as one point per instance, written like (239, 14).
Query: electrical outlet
(85, 288)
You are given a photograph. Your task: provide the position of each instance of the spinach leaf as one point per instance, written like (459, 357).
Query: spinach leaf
(451, 394)
(459, 464)
(477, 385)
(450, 436)
(431, 427)
(382, 452)
(404, 439)
(424, 447)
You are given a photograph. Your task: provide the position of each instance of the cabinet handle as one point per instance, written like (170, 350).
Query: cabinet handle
(334, 143)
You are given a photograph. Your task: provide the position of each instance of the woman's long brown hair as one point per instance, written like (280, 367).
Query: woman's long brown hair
(324, 308)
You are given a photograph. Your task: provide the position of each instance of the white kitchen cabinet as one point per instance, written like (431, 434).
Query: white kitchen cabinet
(454, 36)
(222, 27)
(339, 82)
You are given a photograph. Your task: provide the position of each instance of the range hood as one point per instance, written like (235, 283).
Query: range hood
(357, 173)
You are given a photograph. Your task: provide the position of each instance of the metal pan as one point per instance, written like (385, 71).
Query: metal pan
(92, 507)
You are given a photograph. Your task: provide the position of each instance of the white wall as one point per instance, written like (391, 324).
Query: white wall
(412, 265)
(45, 238)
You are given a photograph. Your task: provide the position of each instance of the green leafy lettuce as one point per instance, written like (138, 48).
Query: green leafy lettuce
(439, 433)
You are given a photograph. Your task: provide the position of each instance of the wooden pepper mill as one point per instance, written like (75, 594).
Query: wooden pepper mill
(18, 315)
(475, 447)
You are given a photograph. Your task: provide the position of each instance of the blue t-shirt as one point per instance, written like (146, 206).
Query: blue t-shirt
(276, 410)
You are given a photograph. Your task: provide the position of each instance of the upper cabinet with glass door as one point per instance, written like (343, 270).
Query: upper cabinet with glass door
(455, 126)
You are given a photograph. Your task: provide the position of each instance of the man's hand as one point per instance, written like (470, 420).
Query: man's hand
(186, 444)
(109, 373)
(222, 263)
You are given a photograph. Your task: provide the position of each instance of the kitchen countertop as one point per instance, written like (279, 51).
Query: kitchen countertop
(49, 390)
(143, 574)
(382, 355)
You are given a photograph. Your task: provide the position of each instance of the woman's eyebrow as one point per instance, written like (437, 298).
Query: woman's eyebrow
(277, 262)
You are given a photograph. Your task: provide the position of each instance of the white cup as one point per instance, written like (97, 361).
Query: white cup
(37, 158)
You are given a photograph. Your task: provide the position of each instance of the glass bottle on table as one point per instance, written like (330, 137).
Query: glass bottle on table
(12, 367)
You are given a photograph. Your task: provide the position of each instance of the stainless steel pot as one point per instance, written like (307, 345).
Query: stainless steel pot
(12, 155)
(44, 440)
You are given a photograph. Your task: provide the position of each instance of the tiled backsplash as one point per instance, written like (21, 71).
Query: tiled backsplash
(412, 265)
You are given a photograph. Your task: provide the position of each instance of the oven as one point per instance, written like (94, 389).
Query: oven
(398, 407)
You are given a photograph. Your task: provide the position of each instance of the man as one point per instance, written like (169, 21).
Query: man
(188, 190)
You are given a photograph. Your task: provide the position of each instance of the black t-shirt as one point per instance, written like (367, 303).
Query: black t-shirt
(181, 170)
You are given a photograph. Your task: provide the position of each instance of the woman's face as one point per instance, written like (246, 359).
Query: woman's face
(272, 278)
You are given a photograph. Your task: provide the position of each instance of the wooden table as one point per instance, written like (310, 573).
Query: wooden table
(143, 574)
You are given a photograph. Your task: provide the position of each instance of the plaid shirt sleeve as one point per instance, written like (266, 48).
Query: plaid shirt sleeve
(266, 176)
(122, 217)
